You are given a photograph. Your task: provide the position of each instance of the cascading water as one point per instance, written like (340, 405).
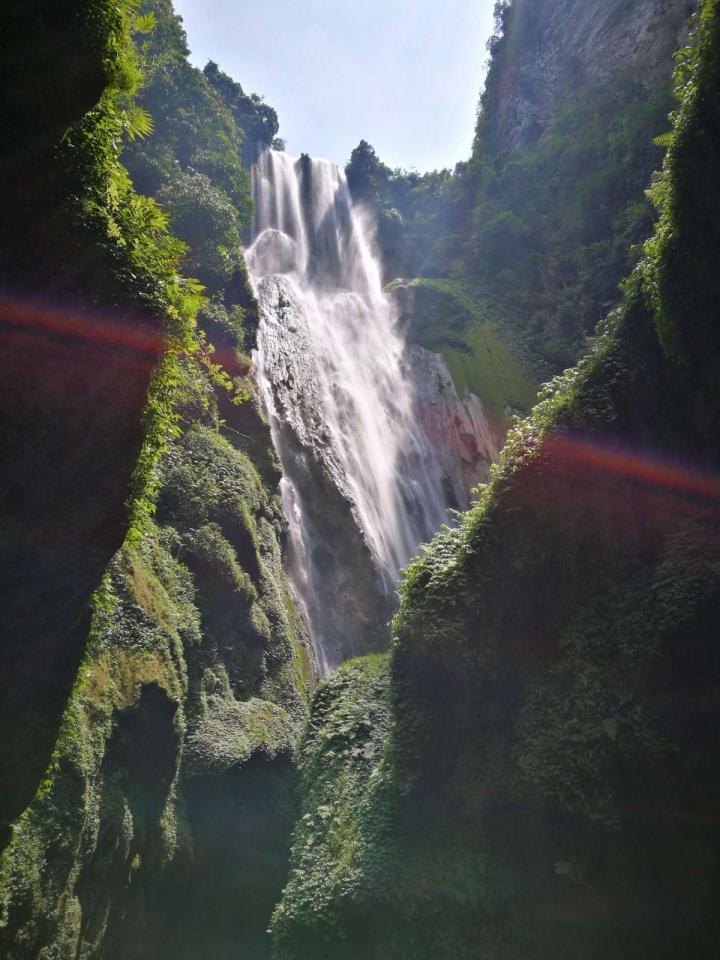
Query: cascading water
(363, 486)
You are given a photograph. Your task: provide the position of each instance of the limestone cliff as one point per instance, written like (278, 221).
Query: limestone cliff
(551, 46)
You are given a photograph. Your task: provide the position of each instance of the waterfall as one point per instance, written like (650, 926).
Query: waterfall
(362, 486)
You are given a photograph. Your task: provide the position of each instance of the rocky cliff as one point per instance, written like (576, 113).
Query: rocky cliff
(81, 319)
(530, 774)
(575, 98)
(161, 823)
(548, 47)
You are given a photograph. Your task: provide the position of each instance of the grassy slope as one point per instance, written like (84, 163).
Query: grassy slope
(448, 319)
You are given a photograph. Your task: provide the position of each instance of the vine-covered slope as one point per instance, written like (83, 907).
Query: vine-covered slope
(161, 825)
(90, 299)
(546, 782)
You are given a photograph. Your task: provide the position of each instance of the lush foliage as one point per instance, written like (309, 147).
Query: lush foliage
(92, 299)
(162, 824)
(546, 230)
(558, 224)
(257, 119)
(420, 217)
(552, 742)
(135, 234)
(446, 317)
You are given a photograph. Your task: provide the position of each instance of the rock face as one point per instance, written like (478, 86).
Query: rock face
(162, 827)
(336, 575)
(552, 702)
(78, 350)
(551, 46)
(464, 440)
(375, 443)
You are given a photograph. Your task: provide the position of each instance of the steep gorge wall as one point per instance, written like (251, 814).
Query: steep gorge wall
(529, 775)
(549, 46)
(81, 326)
(161, 825)
(564, 149)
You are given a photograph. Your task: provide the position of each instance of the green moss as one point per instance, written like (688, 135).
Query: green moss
(157, 669)
(135, 659)
(446, 318)
(196, 675)
(677, 272)
(341, 771)
(487, 369)
(550, 745)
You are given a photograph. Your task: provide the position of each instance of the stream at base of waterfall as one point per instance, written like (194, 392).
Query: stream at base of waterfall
(371, 434)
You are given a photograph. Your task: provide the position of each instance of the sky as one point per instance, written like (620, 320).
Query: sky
(403, 74)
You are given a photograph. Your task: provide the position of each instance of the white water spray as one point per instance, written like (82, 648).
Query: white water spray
(342, 410)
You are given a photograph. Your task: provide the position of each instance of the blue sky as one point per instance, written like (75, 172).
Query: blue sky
(402, 74)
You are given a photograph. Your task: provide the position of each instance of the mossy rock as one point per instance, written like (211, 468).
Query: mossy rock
(444, 317)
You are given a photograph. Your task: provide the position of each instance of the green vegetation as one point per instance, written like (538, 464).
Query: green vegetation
(553, 692)
(342, 781)
(92, 299)
(444, 317)
(254, 117)
(179, 733)
(544, 230)
(529, 772)
(420, 217)
(173, 694)
(555, 266)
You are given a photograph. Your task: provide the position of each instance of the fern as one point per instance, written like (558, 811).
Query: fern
(145, 23)
(138, 123)
(664, 139)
